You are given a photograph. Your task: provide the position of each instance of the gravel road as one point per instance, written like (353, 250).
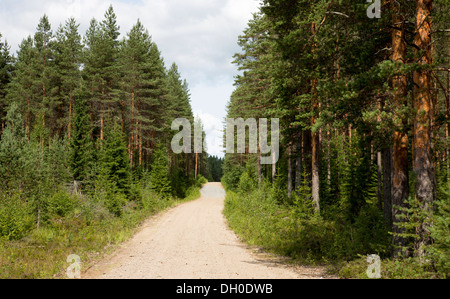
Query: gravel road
(193, 241)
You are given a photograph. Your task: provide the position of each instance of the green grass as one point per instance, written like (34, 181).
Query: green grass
(258, 219)
(89, 231)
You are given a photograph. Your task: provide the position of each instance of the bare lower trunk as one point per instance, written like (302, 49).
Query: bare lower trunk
(315, 171)
(315, 139)
(400, 178)
(380, 181)
(423, 166)
(290, 169)
(299, 161)
(387, 186)
(274, 167)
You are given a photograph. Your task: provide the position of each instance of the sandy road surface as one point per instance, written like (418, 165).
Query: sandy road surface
(192, 241)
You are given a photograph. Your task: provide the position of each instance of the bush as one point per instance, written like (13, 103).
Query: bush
(136, 195)
(201, 180)
(246, 183)
(440, 232)
(231, 177)
(16, 220)
(371, 234)
(60, 204)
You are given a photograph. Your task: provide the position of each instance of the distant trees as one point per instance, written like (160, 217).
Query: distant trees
(215, 167)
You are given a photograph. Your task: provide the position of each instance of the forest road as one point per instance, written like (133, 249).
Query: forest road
(193, 241)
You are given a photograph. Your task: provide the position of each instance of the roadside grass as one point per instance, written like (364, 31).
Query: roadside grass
(89, 231)
(259, 220)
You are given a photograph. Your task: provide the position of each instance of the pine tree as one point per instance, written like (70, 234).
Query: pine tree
(101, 68)
(44, 68)
(33, 84)
(68, 52)
(137, 76)
(178, 96)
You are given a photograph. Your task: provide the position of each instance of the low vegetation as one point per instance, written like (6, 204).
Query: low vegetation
(296, 231)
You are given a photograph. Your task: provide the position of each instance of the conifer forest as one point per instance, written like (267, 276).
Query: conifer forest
(362, 94)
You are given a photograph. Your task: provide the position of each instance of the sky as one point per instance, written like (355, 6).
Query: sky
(200, 36)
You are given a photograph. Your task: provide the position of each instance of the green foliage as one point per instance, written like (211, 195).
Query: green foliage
(115, 160)
(246, 183)
(12, 145)
(440, 232)
(60, 204)
(215, 165)
(232, 175)
(80, 144)
(201, 180)
(248, 180)
(16, 219)
(159, 175)
(371, 235)
(80, 165)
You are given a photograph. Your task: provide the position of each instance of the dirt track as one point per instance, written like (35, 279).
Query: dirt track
(192, 241)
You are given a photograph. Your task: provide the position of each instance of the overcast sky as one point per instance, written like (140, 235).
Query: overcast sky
(199, 35)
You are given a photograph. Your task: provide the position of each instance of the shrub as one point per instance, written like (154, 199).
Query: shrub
(440, 232)
(60, 204)
(201, 180)
(16, 220)
(371, 234)
(246, 183)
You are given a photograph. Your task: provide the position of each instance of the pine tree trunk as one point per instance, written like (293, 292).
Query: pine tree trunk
(387, 185)
(274, 167)
(400, 178)
(132, 133)
(307, 155)
(447, 116)
(259, 167)
(315, 171)
(298, 173)
(290, 169)
(315, 141)
(423, 167)
(101, 112)
(69, 125)
(380, 181)
(196, 165)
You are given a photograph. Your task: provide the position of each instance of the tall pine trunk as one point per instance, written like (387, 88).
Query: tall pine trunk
(400, 178)
(423, 163)
(387, 185)
(299, 161)
(290, 170)
(315, 140)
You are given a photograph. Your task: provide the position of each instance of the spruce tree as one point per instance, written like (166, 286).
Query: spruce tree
(80, 144)
(5, 77)
(115, 159)
(12, 143)
(159, 175)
